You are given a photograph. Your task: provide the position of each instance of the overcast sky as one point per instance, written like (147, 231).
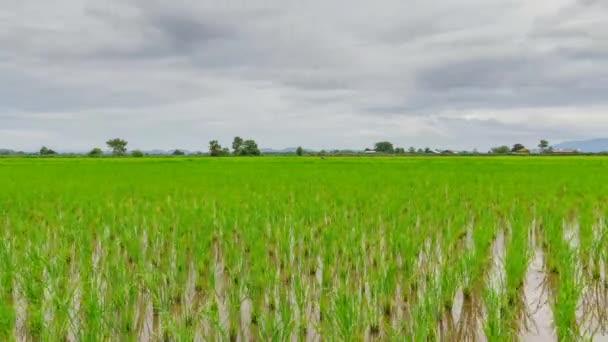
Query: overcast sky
(317, 73)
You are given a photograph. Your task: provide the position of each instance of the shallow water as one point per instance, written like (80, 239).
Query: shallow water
(536, 291)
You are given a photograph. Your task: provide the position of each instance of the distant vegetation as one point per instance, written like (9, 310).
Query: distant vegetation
(118, 146)
(137, 153)
(249, 147)
(96, 152)
(44, 151)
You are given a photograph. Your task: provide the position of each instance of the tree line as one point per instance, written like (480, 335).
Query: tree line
(386, 147)
(118, 147)
(249, 147)
(543, 146)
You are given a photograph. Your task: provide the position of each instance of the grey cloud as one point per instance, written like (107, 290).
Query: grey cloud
(279, 70)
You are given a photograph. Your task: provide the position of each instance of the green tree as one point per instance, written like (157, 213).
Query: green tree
(384, 147)
(427, 150)
(45, 151)
(517, 147)
(118, 146)
(400, 150)
(501, 149)
(250, 148)
(299, 151)
(543, 145)
(137, 153)
(96, 152)
(237, 145)
(411, 149)
(215, 149)
(178, 153)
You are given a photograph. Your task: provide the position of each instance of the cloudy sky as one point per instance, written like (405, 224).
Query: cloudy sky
(316, 73)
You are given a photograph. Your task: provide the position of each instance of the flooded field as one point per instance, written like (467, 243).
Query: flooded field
(304, 249)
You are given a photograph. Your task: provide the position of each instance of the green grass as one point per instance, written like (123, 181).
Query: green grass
(317, 246)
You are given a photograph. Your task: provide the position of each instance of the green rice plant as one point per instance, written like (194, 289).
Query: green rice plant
(339, 248)
(7, 314)
(494, 325)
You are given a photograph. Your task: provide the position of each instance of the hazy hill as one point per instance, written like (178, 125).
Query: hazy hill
(593, 145)
(285, 150)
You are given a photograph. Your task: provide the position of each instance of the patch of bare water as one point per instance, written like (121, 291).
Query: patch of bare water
(537, 295)
(398, 305)
(220, 291)
(592, 314)
(313, 308)
(457, 305)
(293, 301)
(20, 304)
(47, 299)
(146, 332)
(497, 269)
(74, 307)
(244, 334)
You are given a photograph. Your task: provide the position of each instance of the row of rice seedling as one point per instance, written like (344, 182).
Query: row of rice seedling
(299, 249)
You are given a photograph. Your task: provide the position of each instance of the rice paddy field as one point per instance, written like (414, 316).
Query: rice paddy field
(304, 249)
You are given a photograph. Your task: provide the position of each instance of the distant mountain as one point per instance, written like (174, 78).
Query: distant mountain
(593, 145)
(285, 150)
(155, 151)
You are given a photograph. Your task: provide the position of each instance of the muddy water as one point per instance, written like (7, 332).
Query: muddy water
(20, 303)
(220, 291)
(74, 307)
(313, 307)
(536, 289)
(146, 331)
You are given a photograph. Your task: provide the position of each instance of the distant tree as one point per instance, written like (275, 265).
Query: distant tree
(420, 151)
(118, 146)
(384, 147)
(225, 151)
(299, 151)
(96, 152)
(501, 149)
(137, 153)
(517, 147)
(543, 145)
(178, 153)
(215, 149)
(237, 145)
(45, 151)
(250, 148)
(428, 150)
(411, 149)
(399, 150)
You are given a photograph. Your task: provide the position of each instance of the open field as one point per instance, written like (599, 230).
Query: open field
(285, 248)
